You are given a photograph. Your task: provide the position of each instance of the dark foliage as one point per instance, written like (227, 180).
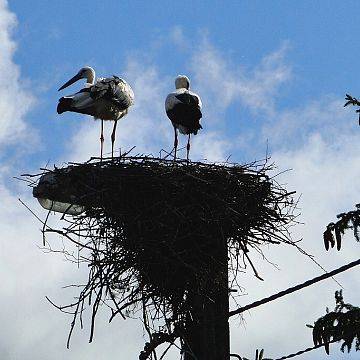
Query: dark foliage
(342, 324)
(352, 101)
(334, 231)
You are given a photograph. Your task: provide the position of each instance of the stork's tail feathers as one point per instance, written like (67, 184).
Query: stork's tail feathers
(194, 126)
(65, 104)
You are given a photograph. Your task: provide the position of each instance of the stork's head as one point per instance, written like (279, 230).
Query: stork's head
(86, 72)
(182, 82)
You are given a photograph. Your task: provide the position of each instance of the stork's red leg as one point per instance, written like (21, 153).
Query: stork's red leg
(175, 142)
(188, 148)
(113, 139)
(101, 139)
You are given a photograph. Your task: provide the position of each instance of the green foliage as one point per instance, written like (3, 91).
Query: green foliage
(342, 324)
(349, 220)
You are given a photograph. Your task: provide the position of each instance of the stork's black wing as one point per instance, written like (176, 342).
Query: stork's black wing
(185, 114)
(188, 99)
(114, 90)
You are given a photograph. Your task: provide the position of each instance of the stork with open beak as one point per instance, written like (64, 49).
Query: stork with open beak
(104, 99)
(183, 108)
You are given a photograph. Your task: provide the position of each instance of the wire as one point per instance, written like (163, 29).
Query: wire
(295, 288)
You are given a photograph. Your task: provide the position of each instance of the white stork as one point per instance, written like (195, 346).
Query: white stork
(104, 99)
(183, 108)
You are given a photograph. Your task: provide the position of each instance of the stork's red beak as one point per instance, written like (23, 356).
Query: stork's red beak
(71, 81)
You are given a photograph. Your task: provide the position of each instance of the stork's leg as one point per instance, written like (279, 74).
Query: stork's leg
(113, 139)
(101, 139)
(175, 142)
(188, 148)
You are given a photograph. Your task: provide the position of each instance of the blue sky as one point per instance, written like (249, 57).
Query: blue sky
(269, 73)
(56, 38)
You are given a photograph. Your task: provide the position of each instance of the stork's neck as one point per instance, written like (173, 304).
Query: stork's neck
(90, 76)
(181, 90)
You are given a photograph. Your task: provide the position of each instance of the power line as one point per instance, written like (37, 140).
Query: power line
(307, 350)
(295, 288)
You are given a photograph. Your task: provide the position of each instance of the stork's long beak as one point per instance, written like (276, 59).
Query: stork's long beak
(71, 81)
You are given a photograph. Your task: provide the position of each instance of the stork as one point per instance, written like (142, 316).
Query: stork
(104, 99)
(183, 108)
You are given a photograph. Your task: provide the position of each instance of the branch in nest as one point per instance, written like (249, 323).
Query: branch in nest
(153, 230)
(157, 339)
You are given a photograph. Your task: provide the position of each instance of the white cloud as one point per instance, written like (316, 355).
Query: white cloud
(290, 128)
(321, 146)
(15, 95)
(226, 82)
(210, 146)
(320, 143)
(177, 36)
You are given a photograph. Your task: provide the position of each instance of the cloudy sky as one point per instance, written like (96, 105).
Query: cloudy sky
(271, 74)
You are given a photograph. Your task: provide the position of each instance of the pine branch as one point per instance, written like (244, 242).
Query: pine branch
(342, 324)
(352, 101)
(348, 220)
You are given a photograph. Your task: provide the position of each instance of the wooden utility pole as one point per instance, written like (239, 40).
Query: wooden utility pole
(207, 329)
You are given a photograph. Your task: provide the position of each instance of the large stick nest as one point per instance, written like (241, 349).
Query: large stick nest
(152, 229)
